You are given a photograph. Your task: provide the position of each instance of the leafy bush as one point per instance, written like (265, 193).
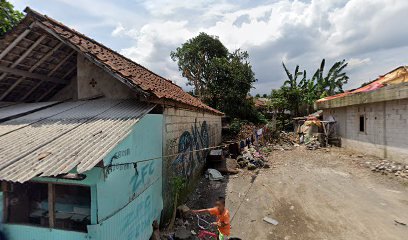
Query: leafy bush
(235, 126)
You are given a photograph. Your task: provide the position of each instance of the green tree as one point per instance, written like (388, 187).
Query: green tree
(195, 59)
(232, 79)
(300, 93)
(292, 89)
(225, 78)
(278, 101)
(258, 95)
(8, 16)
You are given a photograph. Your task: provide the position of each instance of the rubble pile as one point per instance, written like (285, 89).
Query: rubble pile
(284, 141)
(247, 130)
(313, 144)
(390, 167)
(251, 159)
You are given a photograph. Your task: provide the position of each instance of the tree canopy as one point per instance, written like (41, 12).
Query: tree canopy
(8, 16)
(298, 93)
(220, 78)
(196, 57)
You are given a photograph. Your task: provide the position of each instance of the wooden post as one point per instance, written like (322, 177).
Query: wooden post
(51, 204)
(5, 201)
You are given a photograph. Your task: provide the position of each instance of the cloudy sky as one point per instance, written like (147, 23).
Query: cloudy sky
(372, 35)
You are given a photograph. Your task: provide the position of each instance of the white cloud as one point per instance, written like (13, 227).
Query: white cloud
(369, 34)
(119, 30)
(354, 63)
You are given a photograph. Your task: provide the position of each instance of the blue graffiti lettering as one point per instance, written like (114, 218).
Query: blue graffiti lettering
(140, 219)
(139, 179)
(119, 154)
(190, 156)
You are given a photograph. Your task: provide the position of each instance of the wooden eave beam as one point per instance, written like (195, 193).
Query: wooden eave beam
(27, 74)
(45, 57)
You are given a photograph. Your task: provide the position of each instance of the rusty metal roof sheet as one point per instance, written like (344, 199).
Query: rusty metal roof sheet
(69, 135)
(396, 76)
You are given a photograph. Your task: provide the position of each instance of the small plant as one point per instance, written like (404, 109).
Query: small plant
(235, 126)
(178, 184)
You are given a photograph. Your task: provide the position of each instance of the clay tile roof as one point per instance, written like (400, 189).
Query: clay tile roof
(136, 74)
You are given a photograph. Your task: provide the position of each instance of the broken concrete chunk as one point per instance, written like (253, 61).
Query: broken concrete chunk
(270, 220)
(400, 222)
(183, 210)
(214, 175)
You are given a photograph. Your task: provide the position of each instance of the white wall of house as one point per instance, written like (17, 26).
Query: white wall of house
(386, 128)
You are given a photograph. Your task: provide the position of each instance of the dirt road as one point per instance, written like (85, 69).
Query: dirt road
(321, 194)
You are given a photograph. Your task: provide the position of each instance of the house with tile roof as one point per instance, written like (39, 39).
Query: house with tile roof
(90, 140)
(373, 119)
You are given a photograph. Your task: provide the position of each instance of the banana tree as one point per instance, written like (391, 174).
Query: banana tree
(333, 82)
(293, 90)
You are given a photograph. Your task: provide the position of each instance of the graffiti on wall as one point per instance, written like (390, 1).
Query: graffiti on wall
(142, 178)
(190, 156)
(134, 221)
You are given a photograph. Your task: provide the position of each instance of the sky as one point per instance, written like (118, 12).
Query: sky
(371, 35)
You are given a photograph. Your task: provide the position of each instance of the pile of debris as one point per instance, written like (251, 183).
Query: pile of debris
(389, 167)
(186, 225)
(313, 144)
(247, 131)
(251, 159)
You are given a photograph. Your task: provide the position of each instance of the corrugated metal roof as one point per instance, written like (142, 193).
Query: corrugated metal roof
(11, 111)
(6, 104)
(55, 140)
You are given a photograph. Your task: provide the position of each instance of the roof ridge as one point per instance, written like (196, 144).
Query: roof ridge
(37, 14)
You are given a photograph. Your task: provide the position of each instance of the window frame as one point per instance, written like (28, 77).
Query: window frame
(364, 117)
(5, 186)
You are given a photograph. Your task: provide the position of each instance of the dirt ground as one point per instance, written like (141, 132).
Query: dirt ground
(313, 194)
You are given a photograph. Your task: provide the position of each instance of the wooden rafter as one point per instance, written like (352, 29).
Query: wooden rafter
(69, 72)
(45, 57)
(24, 55)
(16, 41)
(46, 93)
(49, 75)
(60, 63)
(27, 74)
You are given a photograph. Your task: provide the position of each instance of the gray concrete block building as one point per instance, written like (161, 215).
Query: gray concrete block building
(373, 119)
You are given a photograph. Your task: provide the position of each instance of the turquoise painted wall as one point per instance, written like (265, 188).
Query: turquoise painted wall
(125, 199)
(14, 231)
(124, 183)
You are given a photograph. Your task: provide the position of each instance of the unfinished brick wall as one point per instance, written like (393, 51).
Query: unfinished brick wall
(184, 133)
(386, 128)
